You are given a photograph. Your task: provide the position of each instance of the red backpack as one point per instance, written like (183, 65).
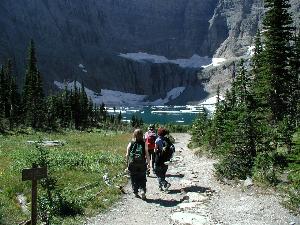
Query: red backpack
(150, 140)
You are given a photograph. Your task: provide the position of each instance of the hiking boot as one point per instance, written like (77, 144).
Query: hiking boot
(148, 172)
(143, 195)
(167, 185)
(136, 195)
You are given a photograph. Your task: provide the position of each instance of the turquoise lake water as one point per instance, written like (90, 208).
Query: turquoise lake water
(160, 114)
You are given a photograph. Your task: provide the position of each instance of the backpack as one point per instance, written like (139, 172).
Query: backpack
(150, 140)
(137, 160)
(167, 152)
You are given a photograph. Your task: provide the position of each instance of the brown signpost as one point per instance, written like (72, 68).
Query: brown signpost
(34, 174)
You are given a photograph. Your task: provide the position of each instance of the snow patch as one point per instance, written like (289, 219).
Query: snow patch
(212, 100)
(250, 50)
(195, 61)
(215, 62)
(210, 104)
(174, 93)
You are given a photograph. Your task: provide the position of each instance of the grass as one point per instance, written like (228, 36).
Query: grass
(76, 168)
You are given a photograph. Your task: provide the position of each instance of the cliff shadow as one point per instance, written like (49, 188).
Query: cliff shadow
(192, 94)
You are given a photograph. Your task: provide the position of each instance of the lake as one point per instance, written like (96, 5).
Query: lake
(160, 114)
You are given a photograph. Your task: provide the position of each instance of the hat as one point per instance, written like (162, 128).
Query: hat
(151, 127)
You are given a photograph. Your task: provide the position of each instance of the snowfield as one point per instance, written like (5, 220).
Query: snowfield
(118, 98)
(195, 61)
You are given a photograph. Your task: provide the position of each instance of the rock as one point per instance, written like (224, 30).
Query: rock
(185, 198)
(188, 205)
(196, 197)
(90, 31)
(248, 182)
(48, 143)
(22, 200)
(188, 218)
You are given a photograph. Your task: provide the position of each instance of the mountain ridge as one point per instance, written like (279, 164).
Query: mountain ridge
(94, 33)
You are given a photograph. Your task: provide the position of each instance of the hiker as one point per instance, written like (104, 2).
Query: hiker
(161, 158)
(138, 161)
(150, 137)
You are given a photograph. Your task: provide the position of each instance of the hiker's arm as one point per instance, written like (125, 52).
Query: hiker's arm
(156, 148)
(147, 155)
(127, 153)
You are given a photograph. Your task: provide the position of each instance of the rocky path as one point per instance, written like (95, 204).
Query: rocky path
(196, 198)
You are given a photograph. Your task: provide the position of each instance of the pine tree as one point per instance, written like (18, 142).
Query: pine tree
(84, 107)
(52, 114)
(33, 95)
(13, 97)
(103, 112)
(75, 106)
(119, 117)
(277, 51)
(238, 142)
(66, 108)
(257, 58)
(2, 93)
(295, 80)
(2, 100)
(199, 129)
(271, 87)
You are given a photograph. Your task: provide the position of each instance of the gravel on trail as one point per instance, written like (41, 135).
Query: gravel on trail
(196, 198)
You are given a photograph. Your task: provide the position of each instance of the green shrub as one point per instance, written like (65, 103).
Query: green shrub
(264, 170)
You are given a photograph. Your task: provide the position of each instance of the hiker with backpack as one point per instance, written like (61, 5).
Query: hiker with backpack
(150, 137)
(138, 161)
(164, 150)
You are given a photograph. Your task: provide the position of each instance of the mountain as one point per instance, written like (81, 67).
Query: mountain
(83, 40)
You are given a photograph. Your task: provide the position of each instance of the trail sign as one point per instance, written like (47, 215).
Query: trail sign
(34, 174)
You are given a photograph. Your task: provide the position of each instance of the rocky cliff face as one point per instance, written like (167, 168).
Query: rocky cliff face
(93, 33)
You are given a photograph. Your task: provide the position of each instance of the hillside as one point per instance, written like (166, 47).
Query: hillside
(83, 40)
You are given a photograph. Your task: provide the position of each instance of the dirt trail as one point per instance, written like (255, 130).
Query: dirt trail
(195, 198)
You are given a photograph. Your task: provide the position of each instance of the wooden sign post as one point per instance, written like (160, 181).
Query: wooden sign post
(34, 174)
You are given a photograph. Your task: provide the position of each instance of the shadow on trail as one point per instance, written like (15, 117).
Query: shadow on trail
(193, 188)
(163, 202)
(198, 189)
(175, 175)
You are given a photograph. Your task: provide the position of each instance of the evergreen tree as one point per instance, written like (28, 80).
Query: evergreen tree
(51, 112)
(272, 87)
(84, 107)
(33, 95)
(75, 106)
(238, 142)
(295, 79)
(2, 93)
(277, 52)
(199, 129)
(103, 112)
(13, 97)
(257, 58)
(119, 117)
(133, 121)
(2, 100)
(66, 108)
